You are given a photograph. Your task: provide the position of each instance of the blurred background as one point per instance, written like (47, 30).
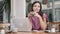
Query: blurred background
(5, 11)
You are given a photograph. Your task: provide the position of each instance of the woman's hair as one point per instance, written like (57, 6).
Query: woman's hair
(29, 7)
(40, 12)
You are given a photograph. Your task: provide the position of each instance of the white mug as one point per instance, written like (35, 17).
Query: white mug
(53, 30)
(2, 31)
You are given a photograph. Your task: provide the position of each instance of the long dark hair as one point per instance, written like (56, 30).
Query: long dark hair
(40, 12)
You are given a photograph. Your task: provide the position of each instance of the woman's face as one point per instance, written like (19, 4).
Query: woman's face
(36, 7)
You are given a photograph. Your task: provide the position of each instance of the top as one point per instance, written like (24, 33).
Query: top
(35, 22)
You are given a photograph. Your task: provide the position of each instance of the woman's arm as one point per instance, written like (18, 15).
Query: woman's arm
(45, 18)
(42, 22)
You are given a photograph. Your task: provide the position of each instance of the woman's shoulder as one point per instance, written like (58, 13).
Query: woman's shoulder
(44, 15)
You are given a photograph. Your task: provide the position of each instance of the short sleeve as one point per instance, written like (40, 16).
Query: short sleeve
(45, 16)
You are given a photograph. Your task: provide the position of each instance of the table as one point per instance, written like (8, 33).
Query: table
(32, 33)
(56, 24)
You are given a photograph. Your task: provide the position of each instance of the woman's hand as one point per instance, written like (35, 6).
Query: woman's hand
(36, 14)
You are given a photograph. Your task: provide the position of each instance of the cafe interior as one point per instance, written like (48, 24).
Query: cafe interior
(14, 16)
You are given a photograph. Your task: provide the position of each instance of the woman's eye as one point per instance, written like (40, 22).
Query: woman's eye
(35, 6)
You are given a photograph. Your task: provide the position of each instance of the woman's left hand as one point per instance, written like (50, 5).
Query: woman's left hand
(36, 14)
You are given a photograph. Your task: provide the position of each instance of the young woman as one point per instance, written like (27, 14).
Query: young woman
(37, 18)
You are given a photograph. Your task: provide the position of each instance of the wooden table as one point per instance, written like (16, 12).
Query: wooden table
(54, 22)
(32, 33)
